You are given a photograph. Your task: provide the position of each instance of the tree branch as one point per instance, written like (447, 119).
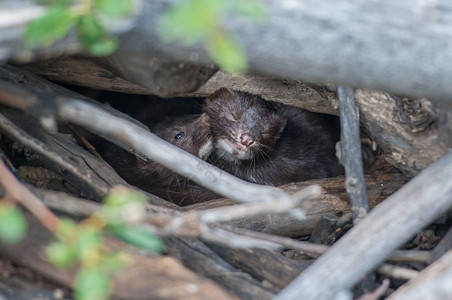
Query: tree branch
(351, 156)
(391, 224)
(20, 193)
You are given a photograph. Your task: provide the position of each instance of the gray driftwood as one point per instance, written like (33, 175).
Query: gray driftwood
(387, 227)
(351, 157)
(381, 40)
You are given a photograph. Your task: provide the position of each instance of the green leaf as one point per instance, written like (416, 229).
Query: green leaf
(55, 1)
(248, 8)
(123, 205)
(54, 25)
(92, 284)
(13, 225)
(106, 46)
(60, 254)
(94, 37)
(113, 262)
(227, 54)
(114, 8)
(66, 229)
(138, 237)
(190, 21)
(120, 196)
(88, 244)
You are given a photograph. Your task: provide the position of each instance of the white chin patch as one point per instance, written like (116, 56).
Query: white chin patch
(227, 151)
(205, 150)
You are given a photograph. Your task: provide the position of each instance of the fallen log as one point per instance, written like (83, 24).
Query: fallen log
(403, 58)
(262, 264)
(196, 256)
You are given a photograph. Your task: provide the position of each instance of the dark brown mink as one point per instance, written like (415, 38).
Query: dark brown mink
(190, 133)
(270, 143)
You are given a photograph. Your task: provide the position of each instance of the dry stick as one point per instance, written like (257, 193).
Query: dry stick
(377, 293)
(385, 228)
(432, 283)
(230, 213)
(181, 162)
(83, 208)
(310, 249)
(351, 156)
(20, 193)
(397, 272)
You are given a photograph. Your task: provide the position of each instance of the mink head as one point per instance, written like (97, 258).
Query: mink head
(244, 126)
(190, 133)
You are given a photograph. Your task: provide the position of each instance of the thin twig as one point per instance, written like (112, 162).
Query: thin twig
(277, 206)
(307, 248)
(377, 293)
(397, 272)
(19, 192)
(351, 155)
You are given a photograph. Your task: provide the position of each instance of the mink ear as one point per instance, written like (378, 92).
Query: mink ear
(222, 93)
(204, 118)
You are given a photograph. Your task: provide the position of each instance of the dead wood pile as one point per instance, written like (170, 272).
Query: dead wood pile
(252, 244)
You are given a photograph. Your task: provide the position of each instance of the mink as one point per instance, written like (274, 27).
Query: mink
(270, 143)
(190, 133)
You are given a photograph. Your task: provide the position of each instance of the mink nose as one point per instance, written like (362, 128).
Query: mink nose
(246, 139)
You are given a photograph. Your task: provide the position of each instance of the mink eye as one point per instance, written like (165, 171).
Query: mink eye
(179, 135)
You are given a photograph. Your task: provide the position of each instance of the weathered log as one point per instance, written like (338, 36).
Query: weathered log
(262, 264)
(86, 72)
(139, 74)
(98, 74)
(403, 58)
(147, 277)
(432, 283)
(384, 229)
(413, 133)
(198, 257)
